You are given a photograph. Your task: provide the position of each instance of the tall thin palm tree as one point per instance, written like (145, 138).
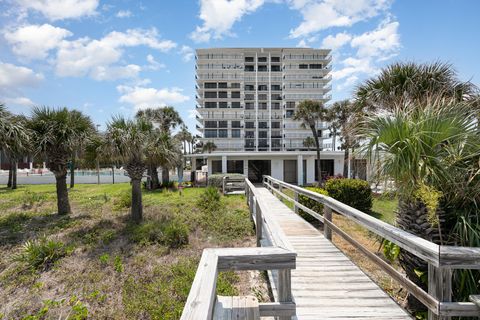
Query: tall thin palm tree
(128, 140)
(185, 137)
(310, 112)
(56, 134)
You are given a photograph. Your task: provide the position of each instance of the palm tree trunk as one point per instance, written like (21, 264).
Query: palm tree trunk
(165, 176)
(14, 174)
(10, 175)
(155, 179)
(317, 144)
(184, 153)
(72, 173)
(137, 209)
(346, 158)
(63, 204)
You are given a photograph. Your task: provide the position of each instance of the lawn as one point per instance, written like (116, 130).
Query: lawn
(95, 263)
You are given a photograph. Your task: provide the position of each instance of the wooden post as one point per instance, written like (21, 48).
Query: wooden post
(284, 288)
(295, 208)
(327, 215)
(440, 287)
(259, 225)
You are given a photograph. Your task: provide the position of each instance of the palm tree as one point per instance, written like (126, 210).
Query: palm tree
(406, 84)
(308, 142)
(344, 116)
(14, 141)
(185, 137)
(209, 147)
(167, 118)
(128, 141)
(309, 112)
(56, 134)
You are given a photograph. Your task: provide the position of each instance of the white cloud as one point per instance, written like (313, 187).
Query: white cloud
(61, 9)
(85, 56)
(187, 53)
(12, 77)
(337, 41)
(219, 16)
(302, 44)
(142, 97)
(154, 64)
(323, 14)
(124, 14)
(35, 41)
(353, 66)
(379, 42)
(192, 113)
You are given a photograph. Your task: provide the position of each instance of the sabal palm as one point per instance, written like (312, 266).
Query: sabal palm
(185, 137)
(14, 140)
(310, 112)
(403, 84)
(128, 141)
(209, 147)
(430, 151)
(56, 134)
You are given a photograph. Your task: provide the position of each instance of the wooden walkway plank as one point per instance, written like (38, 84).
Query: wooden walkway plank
(326, 284)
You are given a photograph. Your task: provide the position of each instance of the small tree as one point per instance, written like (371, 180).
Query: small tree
(309, 142)
(56, 134)
(128, 141)
(209, 147)
(310, 112)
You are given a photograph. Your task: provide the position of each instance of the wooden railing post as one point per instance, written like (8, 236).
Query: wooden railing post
(440, 287)
(327, 215)
(284, 288)
(259, 226)
(295, 208)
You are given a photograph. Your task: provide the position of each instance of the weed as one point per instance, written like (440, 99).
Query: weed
(104, 258)
(172, 234)
(123, 201)
(210, 200)
(41, 253)
(117, 264)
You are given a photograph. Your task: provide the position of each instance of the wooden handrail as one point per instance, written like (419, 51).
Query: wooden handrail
(441, 258)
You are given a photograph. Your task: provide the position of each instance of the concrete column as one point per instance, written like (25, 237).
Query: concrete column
(310, 169)
(209, 166)
(30, 165)
(44, 166)
(224, 164)
(245, 168)
(300, 170)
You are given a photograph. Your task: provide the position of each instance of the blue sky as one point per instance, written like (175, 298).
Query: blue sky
(115, 57)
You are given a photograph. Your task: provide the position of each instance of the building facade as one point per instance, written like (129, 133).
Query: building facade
(246, 98)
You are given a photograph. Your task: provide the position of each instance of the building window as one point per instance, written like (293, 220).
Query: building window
(262, 59)
(210, 104)
(210, 85)
(249, 97)
(316, 66)
(263, 125)
(262, 106)
(249, 59)
(275, 68)
(250, 134)
(289, 114)
(236, 94)
(249, 87)
(236, 124)
(223, 104)
(222, 85)
(276, 87)
(216, 166)
(290, 105)
(236, 105)
(235, 166)
(223, 94)
(262, 68)
(262, 134)
(210, 94)
(276, 134)
(249, 68)
(249, 106)
(276, 105)
(235, 133)
(249, 124)
(223, 124)
(276, 125)
(210, 124)
(303, 66)
(262, 97)
(263, 87)
(223, 133)
(275, 59)
(210, 133)
(276, 96)
(235, 85)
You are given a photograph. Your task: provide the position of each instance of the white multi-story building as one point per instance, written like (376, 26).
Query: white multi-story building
(246, 98)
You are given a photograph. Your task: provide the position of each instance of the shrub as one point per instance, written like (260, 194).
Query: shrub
(311, 204)
(210, 199)
(30, 198)
(41, 253)
(172, 234)
(216, 180)
(227, 224)
(353, 192)
(123, 200)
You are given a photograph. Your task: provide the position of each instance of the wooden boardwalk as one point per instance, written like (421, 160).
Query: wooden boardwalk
(325, 283)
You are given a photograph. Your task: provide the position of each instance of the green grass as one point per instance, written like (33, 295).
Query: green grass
(113, 268)
(384, 208)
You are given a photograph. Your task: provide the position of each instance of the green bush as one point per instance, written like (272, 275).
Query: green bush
(123, 200)
(41, 253)
(210, 199)
(228, 224)
(216, 180)
(311, 204)
(353, 192)
(172, 234)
